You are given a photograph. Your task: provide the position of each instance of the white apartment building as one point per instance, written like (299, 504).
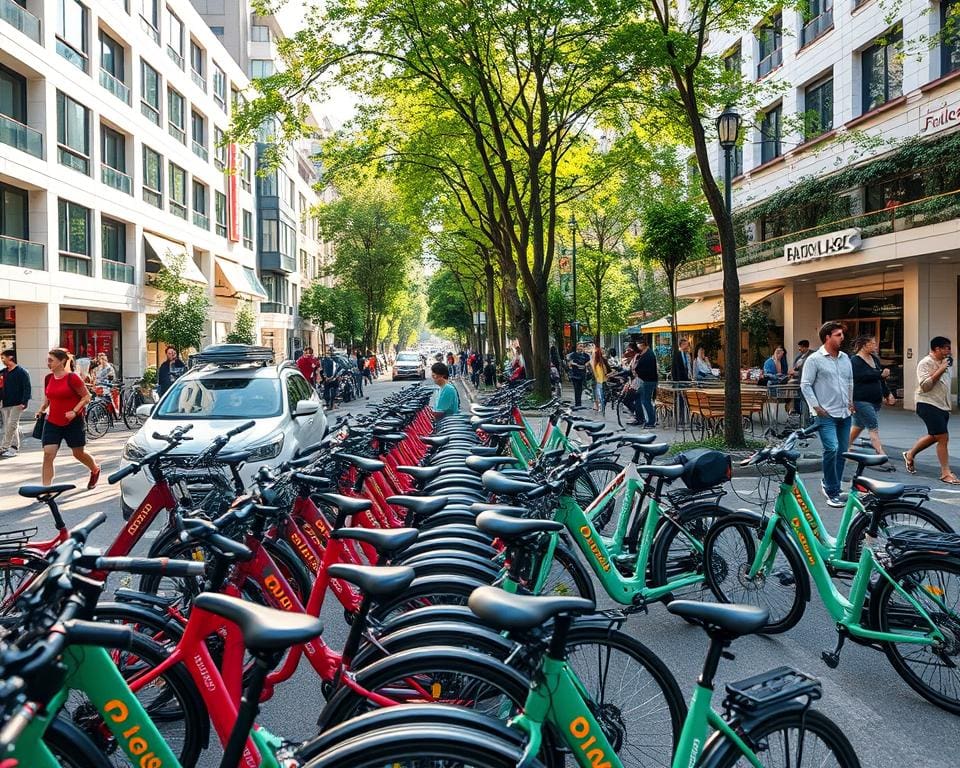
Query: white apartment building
(110, 119)
(875, 241)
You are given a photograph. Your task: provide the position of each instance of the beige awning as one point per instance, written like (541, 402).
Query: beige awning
(165, 251)
(239, 280)
(704, 313)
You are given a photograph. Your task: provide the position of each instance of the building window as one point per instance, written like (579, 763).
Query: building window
(218, 31)
(770, 38)
(13, 95)
(74, 223)
(175, 38)
(14, 213)
(150, 92)
(196, 58)
(152, 177)
(248, 230)
(73, 134)
(219, 149)
(817, 20)
(246, 171)
(949, 36)
(818, 108)
(200, 217)
(72, 20)
(260, 33)
(150, 18)
(770, 135)
(113, 149)
(198, 129)
(220, 210)
(220, 87)
(113, 240)
(269, 236)
(176, 116)
(261, 68)
(733, 61)
(892, 192)
(111, 57)
(882, 71)
(267, 184)
(303, 263)
(178, 191)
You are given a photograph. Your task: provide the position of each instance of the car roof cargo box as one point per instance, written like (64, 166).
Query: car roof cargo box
(232, 354)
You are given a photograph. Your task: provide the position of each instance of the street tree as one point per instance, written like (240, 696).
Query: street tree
(318, 304)
(447, 308)
(244, 326)
(184, 308)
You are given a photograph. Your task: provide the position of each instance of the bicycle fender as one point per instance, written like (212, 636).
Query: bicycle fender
(146, 615)
(419, 635)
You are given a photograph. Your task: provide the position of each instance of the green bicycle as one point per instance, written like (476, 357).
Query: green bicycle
(904, 595)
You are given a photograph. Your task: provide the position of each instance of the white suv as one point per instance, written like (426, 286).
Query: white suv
(215, 398)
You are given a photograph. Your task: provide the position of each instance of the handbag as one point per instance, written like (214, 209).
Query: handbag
(38, 426)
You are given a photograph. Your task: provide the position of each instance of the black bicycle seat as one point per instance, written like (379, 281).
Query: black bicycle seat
(644, 439)
(45, 492)
(500, 429)
(483, 450)
(263, 629)
(654, 449)
(421, 505)
(375, 581)
(481, 464)
(423, 474)
(385, 541)
(362, 462)
(345, 503)
(590, 427)
(435, 440)
(501, 509)
(866, 459)
(732, 620)
(499, 483)
(512, 528)
(502, 610)
(882, 489)
(666, 471)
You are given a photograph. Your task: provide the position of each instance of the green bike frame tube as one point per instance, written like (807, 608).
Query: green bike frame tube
(700, 719)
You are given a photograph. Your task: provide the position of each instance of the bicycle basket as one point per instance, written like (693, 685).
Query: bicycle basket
(905, 540)
(704, 468)
(750, 696)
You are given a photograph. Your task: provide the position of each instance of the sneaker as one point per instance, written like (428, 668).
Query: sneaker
(94, 479)
(8, 454)
(835, 501)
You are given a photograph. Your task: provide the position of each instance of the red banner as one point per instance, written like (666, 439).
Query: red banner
(233, 195)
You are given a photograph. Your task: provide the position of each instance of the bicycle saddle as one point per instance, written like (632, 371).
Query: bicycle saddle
(653, 450)
(420, 505)
(867, 459)
(500, 429)
(386, 542)
(481, 464)
(590, 427)
(666, 471)
(499, 483)
(263, 629)
(435, 440)
(502, 509)
(389, 437)
(44, 492)
(423, 474)
(882, 489)
(345, 503)
(503, 610)
(483, 450)
(478, 409)
(645, 439)
(362, 462)
(375, 581)
(512, 528)
(732, 620)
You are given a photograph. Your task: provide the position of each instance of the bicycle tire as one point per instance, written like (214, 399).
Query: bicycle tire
(130, 404)
(914, 574)
(725, 570)
(589, 481)
(15, 569)
(762, 738)
(568, 575)
(891, 515)
(72, 747)
(97, 421)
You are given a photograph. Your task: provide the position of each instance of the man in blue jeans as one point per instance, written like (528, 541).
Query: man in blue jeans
(827, 386)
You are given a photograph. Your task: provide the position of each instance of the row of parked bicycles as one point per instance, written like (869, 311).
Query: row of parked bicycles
(113, 404)
(468, 554)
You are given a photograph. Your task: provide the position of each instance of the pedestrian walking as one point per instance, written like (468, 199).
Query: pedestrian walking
(170, 370)
(827, 386)
(644, 370)
(577, 370)
(64, 398)
(476, 368)
(795, 372)
(307, 365)
(14, 396)
(361, 363)
(870, 391)
(933, 407)
(601, 369)
(328, 370)
(463, 363)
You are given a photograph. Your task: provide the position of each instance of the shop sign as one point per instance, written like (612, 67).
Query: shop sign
(831, 244)
(939, 117)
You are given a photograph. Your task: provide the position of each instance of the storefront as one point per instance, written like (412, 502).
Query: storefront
(8, 327)
(87, 333)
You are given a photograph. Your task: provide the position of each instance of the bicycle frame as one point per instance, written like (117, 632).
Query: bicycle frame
(831, 548)
(701, 717)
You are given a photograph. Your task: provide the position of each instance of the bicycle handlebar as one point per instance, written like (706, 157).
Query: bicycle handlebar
(162, 566)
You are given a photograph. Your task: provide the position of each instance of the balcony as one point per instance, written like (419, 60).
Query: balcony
(201, 151)
(770, 63)
(178, 209)
(201, 220)
(815, 27)
(20, 19)
(175, 57)
(276, 308)
(115, 86)
(151, 30)
(199, 80)
(117, 271)
(150, 112)
(21, 253)
(274, 261)
(76, 58)
(20, 136)
(177, 132)
(74, 265)
(116, 179)
(153, 197)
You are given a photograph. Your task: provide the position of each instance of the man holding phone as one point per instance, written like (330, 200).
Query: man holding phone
(933, 407)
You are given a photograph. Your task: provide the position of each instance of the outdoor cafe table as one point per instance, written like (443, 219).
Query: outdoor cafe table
(765, 402)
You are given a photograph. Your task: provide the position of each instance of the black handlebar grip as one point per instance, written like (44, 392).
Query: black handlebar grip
(82, 531)
(123, 472)
(242, 428)
(151, 565)
(105, 635)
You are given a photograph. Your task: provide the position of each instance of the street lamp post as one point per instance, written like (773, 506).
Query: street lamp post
(728, 129)
(575, 326)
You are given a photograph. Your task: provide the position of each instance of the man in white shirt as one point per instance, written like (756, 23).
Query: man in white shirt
(827, 385)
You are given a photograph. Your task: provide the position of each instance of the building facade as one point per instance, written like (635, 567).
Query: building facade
(111, 116)
(846, 186)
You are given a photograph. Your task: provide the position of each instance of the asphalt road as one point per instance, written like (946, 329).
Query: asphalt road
(889, 725)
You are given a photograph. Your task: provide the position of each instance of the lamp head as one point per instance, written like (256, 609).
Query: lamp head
(728, 128)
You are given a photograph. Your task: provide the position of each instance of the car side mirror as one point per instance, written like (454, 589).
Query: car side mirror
(144, 411)
(306, 408)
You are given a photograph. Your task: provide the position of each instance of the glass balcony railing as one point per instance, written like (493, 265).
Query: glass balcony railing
(117, 271)
(116, 179)
(201, 220)
(153, 197)
(175, 57)
(20, 136)
(74, 265)
(177, 132)
(74, 57)
(150, 112)
(200, 151)
(199, 80)
(115, 86)
(816, 27)
(21, 253)
(769, 63)
(179, 210)
(20, 19)
(274, 307)
(151, 30)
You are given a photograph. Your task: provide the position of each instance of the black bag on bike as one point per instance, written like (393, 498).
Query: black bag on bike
(704, 468)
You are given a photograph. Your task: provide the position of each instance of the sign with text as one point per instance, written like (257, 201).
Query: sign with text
(938, 117)
(233, 196)
(830, 244)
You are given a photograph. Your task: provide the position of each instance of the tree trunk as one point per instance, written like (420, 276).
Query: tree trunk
(493, 331)
(541, 345)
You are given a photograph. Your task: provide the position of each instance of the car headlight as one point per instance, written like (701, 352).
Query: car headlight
(267, 450)
(133, 451)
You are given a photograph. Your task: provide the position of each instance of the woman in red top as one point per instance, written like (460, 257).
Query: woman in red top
(64, 397)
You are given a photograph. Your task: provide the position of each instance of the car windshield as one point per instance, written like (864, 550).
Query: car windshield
(407, 357)
(222, 398)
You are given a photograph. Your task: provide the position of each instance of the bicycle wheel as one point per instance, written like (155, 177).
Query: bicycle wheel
(17, 569)
(933, 581)
(72, 747)
(568, 575)
(590, 481)
(97, 421)
(790, 740)
(130, 404)
(892, 516)
(780, 585)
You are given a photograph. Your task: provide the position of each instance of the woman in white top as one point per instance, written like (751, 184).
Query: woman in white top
(702, 369)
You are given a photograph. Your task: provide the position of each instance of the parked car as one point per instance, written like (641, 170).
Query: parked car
(217, 396)
(408, 365)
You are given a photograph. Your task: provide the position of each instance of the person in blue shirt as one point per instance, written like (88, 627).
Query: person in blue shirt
(775, 367)
(448, 399)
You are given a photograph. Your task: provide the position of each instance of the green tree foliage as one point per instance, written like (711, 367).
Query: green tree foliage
(336, 309)
(244, 326)
(184, 309)
(755, 320)
(447, 308)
